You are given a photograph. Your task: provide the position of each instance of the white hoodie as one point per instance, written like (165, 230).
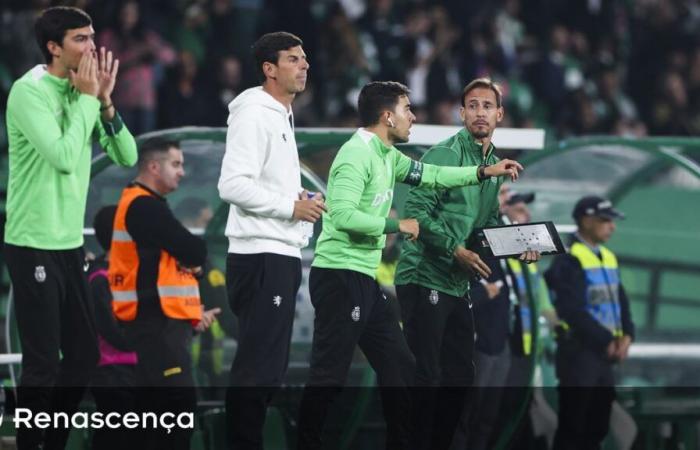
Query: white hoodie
(260, 177)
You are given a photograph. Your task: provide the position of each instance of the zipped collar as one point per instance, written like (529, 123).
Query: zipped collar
(473, 146)
(373, 141)
(62, 85)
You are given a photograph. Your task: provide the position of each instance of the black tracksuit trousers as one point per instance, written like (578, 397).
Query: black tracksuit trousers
(351, 310)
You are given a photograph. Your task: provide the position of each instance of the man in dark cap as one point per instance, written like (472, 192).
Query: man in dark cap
(598, 329)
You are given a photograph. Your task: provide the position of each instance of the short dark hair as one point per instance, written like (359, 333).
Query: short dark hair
(53, 24)
(153, 147)
(484, 83)
(103, 224)
(377, 97)
(268, 46)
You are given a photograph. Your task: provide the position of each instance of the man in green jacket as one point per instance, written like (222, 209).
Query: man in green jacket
(350, 307)
(432, 278)
(54, 112)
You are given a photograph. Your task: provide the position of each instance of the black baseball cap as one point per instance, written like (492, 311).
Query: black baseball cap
(517, 197)
(595, 206)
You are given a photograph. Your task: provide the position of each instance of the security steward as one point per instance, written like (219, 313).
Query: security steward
(153, 263)
(598, 330)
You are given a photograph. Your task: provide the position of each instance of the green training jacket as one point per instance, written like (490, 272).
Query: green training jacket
(360, 192)
(447, 218)
(50, 129)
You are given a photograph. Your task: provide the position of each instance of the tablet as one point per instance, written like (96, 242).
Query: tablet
(506, 241)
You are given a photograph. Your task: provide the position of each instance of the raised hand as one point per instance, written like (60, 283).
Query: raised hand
(84, 79)
(106, 75)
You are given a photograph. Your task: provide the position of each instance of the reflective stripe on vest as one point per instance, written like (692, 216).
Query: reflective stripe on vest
(124, 296)
(524, 306)
(121, 236)
(602, 286)
(178, 290)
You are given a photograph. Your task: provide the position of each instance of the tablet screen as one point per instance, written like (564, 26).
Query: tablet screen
(517, 239)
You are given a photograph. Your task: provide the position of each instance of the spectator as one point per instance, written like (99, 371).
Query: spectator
(139, 50)
(191, 34)
(17, 38)
(670, 115)
(184, 101)
(347, 64)
(381, 35)
(228, 86)
(420, 44)
(612, 104)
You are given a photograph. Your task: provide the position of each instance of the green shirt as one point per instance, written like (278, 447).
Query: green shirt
(359, 197)
(50, 128)
(447, 218)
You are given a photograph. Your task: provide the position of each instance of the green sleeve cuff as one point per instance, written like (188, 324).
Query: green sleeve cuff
(114, 126)
(391, 226)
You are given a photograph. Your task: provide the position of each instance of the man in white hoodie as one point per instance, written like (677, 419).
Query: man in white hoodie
(261, 180)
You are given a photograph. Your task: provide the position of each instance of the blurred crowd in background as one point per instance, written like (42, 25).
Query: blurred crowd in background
(620, 67)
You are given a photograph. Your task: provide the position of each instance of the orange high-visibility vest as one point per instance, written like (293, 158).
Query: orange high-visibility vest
(178, 290)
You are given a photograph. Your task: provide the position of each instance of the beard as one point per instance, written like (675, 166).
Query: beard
(479, 133)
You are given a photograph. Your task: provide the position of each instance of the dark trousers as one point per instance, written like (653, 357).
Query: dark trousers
(350, 311)
(516, 392)
(172, 399)
(262, 291)
(54, 317)
(476, 428)
(113, 391)
(162, 379)
(586, 394)
(439, 329)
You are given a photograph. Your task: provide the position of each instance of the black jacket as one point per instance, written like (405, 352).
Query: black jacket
(491, 316)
